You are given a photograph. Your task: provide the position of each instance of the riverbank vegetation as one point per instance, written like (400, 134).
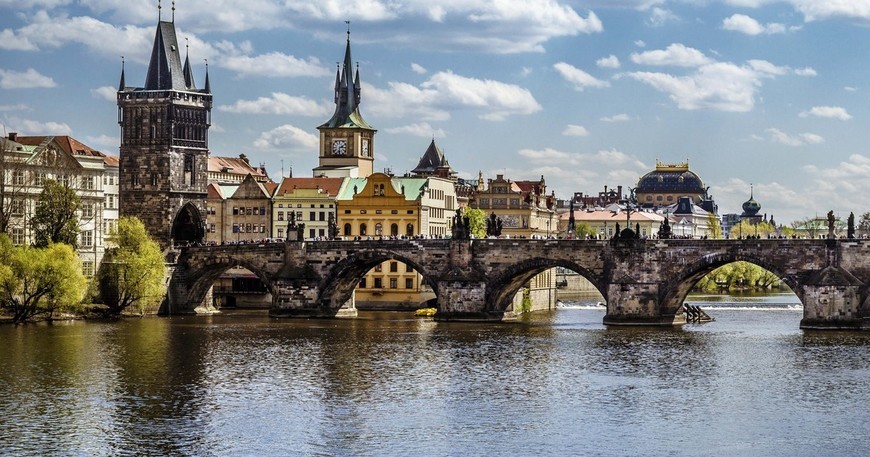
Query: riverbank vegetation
(46, 281)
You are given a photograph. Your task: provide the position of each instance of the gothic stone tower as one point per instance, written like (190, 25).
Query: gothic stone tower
(164, 145)
(347, 142)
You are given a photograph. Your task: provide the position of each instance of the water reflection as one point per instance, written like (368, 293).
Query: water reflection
(390, 384)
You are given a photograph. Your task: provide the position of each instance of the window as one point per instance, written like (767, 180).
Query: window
(38, 178)
(18, 236)
(322, 216)
(346, 229)
(87, 210)
(409, 230)
(362, 283)
(88, 268)
(18, 177)
(363, 230)
(312, 215)
(394, 230)
(311, 233)
(17, 207)
(110, 201)
(395, 211)
(408, 268)
(280, 215)
(394, 283)
(394, 267)
(88, 183)
(409, 283)
(87, 238)
(262, 210)
(235, 211)
(280, 233)
(379, 268)
(379, 229)
(378, 283)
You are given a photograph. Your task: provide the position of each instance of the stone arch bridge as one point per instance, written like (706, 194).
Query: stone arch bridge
(644, 282)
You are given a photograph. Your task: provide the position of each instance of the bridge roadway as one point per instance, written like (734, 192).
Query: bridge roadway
(644, 282)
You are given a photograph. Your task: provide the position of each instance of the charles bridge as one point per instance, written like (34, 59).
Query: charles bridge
(644, 282)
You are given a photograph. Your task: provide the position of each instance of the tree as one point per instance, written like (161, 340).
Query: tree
(745, 228)
(477, 221)
(36, 281)
(132, 272)
(864, 224)
(583, 231)
(715, 232)
(55, 220)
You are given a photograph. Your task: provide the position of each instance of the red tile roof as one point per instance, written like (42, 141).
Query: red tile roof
(330, 185)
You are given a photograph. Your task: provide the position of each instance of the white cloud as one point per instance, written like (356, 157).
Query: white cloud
(778, 136)
(417, 68)
(766, 68)
(278, 103)
(497, 98)
(18, 107)
(749, 26)
(575, 130)
(850, 89)
(107, 93)
(105, 143)
(403, 100)
(660, 17)
(421, 129)
(832, 112)
(675, 54)
(807, 71)
(617, 118)
(273, 64)
(610, 61)
(30, 79)
(579, 78)
(640, 43)
(31, 127)
(288, 138)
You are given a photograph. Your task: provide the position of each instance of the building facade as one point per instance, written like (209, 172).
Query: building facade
(524, 208)
(164, 145)
(312, 201)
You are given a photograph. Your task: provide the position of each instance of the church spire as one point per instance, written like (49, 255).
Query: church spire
(347, 93)
(207, 83)
(123, 83)
(188, 72)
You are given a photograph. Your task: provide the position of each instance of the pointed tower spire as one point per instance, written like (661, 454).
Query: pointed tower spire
(356, 87)
(188, 72)
(173, 11)
(123, 83)
(159, 11)
(347, 92)
(207, 83)
(337, 80)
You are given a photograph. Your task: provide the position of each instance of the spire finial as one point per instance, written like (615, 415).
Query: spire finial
(186, 40)
(159, 10)
(123, 83)
(348, 29)
(751, 190)
(173, 11)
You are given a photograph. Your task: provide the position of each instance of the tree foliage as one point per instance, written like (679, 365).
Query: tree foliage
(864, 224)
(739, 276)
(745, 228)
(583, 231)
(715, 232)
(132, 272)
(476, 220)
(35, 281)
(54, 219)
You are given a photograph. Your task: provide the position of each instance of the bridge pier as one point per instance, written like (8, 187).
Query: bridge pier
(832, 300)
(632, 303)
(464, 301)
(301, 299)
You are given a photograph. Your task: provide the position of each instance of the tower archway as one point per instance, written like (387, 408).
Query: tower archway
(188, 226)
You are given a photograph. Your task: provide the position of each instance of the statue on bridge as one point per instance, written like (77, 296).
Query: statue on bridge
(830, 224)
(333, 227)
(665, 229)
(493, 226)
(461, 226)
(295, 232)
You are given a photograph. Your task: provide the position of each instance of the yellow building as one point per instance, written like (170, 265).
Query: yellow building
(384, 207)
(313, 202)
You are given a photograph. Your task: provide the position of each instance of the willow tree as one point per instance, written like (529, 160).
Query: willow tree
(36, 281)
(132, 271)
(476, 221)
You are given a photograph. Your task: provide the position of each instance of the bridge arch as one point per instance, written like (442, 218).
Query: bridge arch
(200, 278)
(501, 290)
(337, 286)
(675, 291)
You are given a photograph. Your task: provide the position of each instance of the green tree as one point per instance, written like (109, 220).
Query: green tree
(132, 272)
(864, 224)
(745, 228)
(54, 219)
(715, 227)
(477, 221)
(582, 230)
(35, 281)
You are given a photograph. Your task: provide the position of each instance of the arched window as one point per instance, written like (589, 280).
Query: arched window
(379, 229)
(394, 230)
(409, 230)
(363, 230)
(347, 229)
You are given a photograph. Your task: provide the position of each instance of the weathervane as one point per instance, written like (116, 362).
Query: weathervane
(159, 10)
(173, 11)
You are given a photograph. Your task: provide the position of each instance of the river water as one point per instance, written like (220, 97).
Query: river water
(558, 383)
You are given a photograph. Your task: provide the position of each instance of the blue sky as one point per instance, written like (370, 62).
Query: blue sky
(586, 93)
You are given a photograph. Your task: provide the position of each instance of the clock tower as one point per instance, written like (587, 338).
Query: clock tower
(347, 142)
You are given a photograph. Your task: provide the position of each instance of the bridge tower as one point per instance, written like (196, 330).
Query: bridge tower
(164, 144)
(347, 141)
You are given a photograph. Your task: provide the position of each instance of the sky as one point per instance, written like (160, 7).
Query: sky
(773, 94)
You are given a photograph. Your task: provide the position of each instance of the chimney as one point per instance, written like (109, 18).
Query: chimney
(13, 136)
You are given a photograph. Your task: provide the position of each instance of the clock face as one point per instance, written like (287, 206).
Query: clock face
(365, 148)
(339, 147)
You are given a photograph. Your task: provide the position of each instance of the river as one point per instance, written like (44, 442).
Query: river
(387, 384)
